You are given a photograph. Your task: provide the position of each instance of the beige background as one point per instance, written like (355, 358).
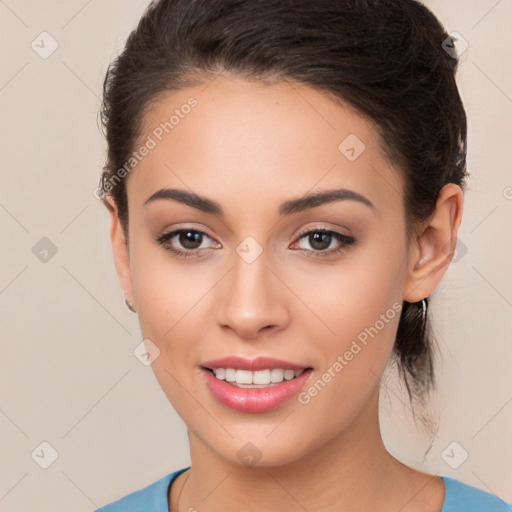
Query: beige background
(67, 372)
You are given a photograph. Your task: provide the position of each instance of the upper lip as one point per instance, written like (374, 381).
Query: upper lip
(258, 363)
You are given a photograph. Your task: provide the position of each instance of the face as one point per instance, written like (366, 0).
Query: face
(315, 283)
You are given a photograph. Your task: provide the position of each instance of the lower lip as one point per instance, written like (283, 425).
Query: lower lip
(254, 399)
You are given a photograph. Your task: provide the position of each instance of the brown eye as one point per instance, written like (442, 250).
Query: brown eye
(183, 242)
(189, 239)
(322, 239)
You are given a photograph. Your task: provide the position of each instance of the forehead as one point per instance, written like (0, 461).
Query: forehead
(249, 139)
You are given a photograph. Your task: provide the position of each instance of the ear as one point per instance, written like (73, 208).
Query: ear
(119, 249)
(432, 249)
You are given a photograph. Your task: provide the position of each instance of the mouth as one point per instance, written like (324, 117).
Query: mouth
(258, 379)
(254, 391)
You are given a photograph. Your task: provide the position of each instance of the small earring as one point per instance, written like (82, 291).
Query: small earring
(424, 305)
(129, 305)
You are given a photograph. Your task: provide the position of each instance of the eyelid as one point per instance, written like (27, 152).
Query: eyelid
(171, 233)
(321, 227)
(183, 226)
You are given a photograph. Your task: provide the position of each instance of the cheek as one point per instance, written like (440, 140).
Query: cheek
(352, 362)
(164, 291)
(357, 309)
(175, 312)
(169, 307)
(347, 299)
(364, 310)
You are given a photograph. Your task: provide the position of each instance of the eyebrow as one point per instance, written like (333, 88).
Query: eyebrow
(287, 208)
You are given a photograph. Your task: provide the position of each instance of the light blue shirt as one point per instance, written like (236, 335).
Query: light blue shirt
(459, 497)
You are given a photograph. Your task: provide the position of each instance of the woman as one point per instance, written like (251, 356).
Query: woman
(285, 184)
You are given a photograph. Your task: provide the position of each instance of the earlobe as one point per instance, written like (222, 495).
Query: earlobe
(433, 248)
(119, 249)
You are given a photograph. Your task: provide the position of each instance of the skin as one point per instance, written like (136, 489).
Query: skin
(250, 147)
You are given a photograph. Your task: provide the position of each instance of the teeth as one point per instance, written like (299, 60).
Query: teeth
(260, 378)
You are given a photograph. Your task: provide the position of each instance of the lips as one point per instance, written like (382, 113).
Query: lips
(251, 400)
(259, 363)
(256, 398)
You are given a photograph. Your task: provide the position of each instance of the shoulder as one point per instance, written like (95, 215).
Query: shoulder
(461, 497)
(152, 498)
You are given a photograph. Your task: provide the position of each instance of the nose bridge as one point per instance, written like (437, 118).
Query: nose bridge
(252, 297)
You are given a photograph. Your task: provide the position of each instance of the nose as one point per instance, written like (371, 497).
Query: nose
(252, 299)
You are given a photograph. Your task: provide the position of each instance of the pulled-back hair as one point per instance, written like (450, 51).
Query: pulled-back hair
(383, 57)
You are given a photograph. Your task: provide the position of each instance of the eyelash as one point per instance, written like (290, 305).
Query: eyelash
(344, 240)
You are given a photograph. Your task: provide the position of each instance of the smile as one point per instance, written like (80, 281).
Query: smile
(254, 398)
(256, 379)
